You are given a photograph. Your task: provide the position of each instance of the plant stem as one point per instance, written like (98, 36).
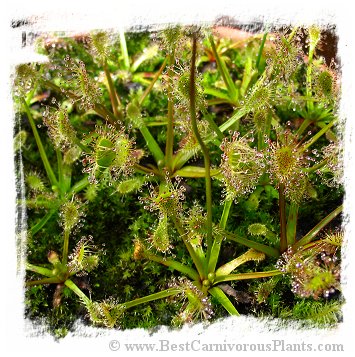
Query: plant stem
(257, 63)
(152, 144)
(228, 81)
(315, 167)
(216, 247)
(233, 119)
(52, 280)
(292, 34)
(317, 136)
(115, 101)
(309, 76)
(203, 147)
(42, 152)
(245, 276)
(155, 78)
(60, 171)
(144, 170)
(65, 247)
(161, 295)
(270, 251)
(194, 171)
(292, 223)
(230, 266)
(226, 209)
(282, 209)
(182, 157)
(39, 270)
(192, 273)
(195, 258)
(303, 126)
(314, 231)
(222, 298)
(38, 226)
(80, 185)
(170, 127)
(214, 127)
(69, 283)
(124, 50)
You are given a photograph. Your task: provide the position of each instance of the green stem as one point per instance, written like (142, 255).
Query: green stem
(257, 63)
(227, 268)
(260, 135)
(170, 127)
(203, 147)
(77, 291)
(309, 76)
(282, 209)
(152, 144)
(104, 113)
(317, 136)
(81, 145)
(228, 81)
(222, 298)
(79, 186)
(31, 94)
(39, 270)
(182, 157)
(306, 123)
(124, 50)
(292, 223)
(115, 102)
(145, 170)
(270, 251)
(233, 119)
(226, 209)
(217, 243)
(161, 295)
(38, 226)
(151, 84)
(314, 231)
(41, 149)
(315, 167)
(292, 34)
(246, 276)
(60, 171)
(248, 74)
(52, 280)
(65, 247)
(215, 128)
(192, 273)
(194, 171)
(195, 258)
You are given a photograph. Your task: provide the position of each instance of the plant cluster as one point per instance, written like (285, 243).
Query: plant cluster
(227, 148)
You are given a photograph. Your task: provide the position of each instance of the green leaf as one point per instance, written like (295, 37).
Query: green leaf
(39, 270)
(232, 90)
(314, 231)
(270, 251)
(222, 298)
(40, 146)
(251, 254)
(292, 223)
(217, 93)
(194, 171)
(247, 276)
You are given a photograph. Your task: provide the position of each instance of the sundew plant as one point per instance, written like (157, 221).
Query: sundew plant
(177, 176)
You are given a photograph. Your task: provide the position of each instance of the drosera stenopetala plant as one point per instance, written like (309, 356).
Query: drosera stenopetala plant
(64, 266)
(249, 154)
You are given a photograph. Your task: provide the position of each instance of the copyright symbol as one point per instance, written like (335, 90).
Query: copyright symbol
(114, 345)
